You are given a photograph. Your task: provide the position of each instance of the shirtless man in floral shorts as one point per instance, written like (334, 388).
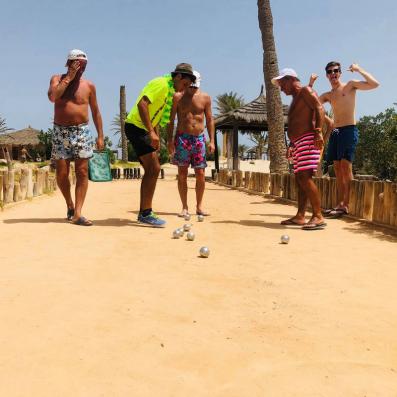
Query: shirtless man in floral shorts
(72, 95)
(188, 147)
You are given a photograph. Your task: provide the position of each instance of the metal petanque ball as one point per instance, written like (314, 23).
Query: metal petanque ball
(284, 239)
(187, 217)
(187, 227)
(190, 236)
(180, 231)
(176, 234)
(200, 218)
(204, 252)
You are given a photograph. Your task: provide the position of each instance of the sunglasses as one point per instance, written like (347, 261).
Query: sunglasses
(333, 71)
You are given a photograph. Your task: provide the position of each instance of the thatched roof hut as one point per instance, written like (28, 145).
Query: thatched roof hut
(14, 141)
(248, 118)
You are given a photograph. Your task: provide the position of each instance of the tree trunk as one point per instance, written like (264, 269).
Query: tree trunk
(274, 107)
(124, 142)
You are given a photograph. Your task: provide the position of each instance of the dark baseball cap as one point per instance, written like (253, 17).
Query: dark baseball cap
(184, 68)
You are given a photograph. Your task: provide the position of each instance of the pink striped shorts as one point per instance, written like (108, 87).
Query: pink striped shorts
(304, 154)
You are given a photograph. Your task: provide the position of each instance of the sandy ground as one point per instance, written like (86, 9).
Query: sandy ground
(123, 310)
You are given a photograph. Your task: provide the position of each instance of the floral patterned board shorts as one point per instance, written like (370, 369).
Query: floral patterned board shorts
(72, 142)
(189, 150)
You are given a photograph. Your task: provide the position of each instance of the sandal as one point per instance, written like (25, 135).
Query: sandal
(291, 222)
(337, 213)
(82, 221)
(70, 214)
(314, 226)
(203, 213)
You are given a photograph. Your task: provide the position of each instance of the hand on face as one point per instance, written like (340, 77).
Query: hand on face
(73, 68)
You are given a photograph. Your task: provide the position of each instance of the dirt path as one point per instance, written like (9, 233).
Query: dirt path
(123, 310)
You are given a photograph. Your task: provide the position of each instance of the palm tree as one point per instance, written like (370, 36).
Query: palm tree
(124, 141)
(274, 107)
(225, 103)
(116, 127)
(261, 140)
(228, 101)
(3, 130)
(241, 150)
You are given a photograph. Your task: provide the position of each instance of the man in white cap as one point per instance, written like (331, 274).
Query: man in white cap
(188, 147)
(305, 120)
(71, 140)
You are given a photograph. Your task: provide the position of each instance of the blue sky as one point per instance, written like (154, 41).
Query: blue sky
(132, 41)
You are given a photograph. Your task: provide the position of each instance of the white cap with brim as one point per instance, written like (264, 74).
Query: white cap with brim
(76, 54)
(196, 84)
(284, 72)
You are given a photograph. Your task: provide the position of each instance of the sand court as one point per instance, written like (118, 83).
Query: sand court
(119, 309)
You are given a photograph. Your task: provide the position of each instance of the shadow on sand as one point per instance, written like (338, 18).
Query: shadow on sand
(110, 222)
(252, 223)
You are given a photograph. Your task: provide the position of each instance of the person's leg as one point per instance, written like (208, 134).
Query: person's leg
(81, 169)
(200, 186)
(299, 218)
(182, 187)
(151, 166)
(347, 176)
(339, 184)
(62, 175)
(307, 184)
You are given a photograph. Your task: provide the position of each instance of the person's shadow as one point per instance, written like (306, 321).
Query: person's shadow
(109, 222)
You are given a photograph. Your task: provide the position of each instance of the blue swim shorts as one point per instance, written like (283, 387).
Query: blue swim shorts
(342, 143)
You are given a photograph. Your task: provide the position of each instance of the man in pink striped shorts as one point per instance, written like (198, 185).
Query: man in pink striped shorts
(305, 120)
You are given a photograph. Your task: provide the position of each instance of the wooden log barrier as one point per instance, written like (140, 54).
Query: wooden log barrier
(17, 192)
(1, 188)
(29, 192)
(9, 192)
(24, 183)
(387, 201)
(247, 176)
(377, 214)
(393, 205)
(368, 203)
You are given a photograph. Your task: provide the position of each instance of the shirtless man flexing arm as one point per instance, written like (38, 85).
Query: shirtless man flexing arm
(344, 137)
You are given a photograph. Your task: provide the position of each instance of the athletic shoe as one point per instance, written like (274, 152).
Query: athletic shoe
(151, 220)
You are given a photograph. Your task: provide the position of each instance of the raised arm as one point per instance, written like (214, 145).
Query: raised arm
(312, 80)
(210, 124)
(58, 85)
(96, 116)
(370, 82)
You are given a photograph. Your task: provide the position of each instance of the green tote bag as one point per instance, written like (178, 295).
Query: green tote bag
(99, 167)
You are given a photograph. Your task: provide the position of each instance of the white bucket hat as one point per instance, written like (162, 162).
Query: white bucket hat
(196, 84)
(284, 72)
(76, 54)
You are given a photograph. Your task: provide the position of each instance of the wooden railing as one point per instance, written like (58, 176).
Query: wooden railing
(374, 201)
(26, 183)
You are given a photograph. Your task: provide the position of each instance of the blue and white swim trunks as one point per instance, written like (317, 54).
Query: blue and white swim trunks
(71, 142)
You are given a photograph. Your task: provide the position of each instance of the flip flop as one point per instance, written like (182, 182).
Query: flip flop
(203, 213)
(183, 213)
(82, 221)
(337, 213)
(70, 214)
(290, 222)
(329, 210)
(314, 226)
